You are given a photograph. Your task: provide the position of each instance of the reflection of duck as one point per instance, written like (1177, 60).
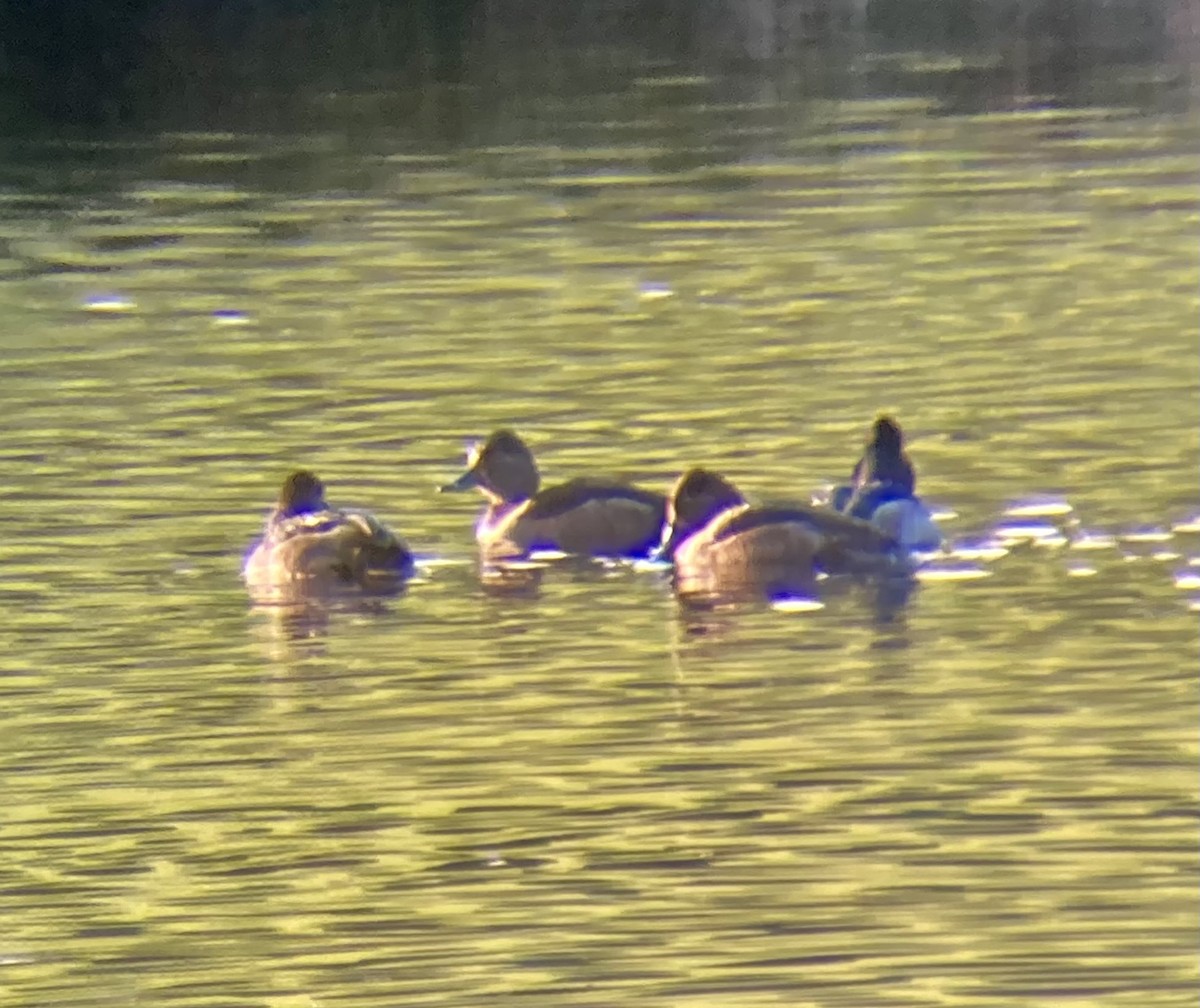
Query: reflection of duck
(882, 490)
(308, 543)
(586, 516)
(722, 545)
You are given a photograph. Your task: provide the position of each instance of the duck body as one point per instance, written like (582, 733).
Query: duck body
(884, 460)
(588, 517)
(308, 543)
(882, 491)
(721, 545)
(748, 550)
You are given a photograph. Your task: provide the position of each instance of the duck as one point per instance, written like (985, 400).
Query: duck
(722, 545)
(583, 516)
(882, 490)
(308, 542)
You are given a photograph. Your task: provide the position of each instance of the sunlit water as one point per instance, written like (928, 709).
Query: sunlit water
(567, 788)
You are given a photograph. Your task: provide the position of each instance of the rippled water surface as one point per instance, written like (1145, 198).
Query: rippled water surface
(582, 793)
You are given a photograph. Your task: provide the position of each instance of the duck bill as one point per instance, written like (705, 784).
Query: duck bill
(665, 550)
(467, 481)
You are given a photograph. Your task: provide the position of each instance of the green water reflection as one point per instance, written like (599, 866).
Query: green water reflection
(586, 795)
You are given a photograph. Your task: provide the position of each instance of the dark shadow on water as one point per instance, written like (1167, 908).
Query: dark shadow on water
(449, 69)
(94, 63)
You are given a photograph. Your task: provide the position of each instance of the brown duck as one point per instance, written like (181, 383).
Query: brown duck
(584, 516)
(722, 545)
(308, 542)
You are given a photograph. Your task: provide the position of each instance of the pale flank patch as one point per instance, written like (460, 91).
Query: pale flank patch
(910, 523)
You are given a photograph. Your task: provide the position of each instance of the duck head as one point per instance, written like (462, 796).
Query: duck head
(886, 436)
(502, 469)
(302, 493)
(883, 461)
(699, 495)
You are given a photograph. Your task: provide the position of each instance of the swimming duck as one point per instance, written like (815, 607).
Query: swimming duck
(721, 544)
(882, 490)
(584, 516)
(307, 541)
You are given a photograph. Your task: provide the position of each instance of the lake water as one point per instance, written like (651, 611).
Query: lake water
(582, 793)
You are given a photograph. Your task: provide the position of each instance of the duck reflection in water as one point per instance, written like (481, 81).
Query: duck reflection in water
(300, 626)
(512, 579)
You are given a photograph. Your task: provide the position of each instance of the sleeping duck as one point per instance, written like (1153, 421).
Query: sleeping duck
(307, 542)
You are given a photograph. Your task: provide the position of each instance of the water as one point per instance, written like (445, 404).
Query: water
(571, 790)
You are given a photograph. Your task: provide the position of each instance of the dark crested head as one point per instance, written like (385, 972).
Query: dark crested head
(883, 460)
(701, 489)
(502, 442)
(699, 495)
(886, 434)
(502, 468)
(302, 492)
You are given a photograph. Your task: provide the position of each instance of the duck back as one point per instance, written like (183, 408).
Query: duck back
(586, 516)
